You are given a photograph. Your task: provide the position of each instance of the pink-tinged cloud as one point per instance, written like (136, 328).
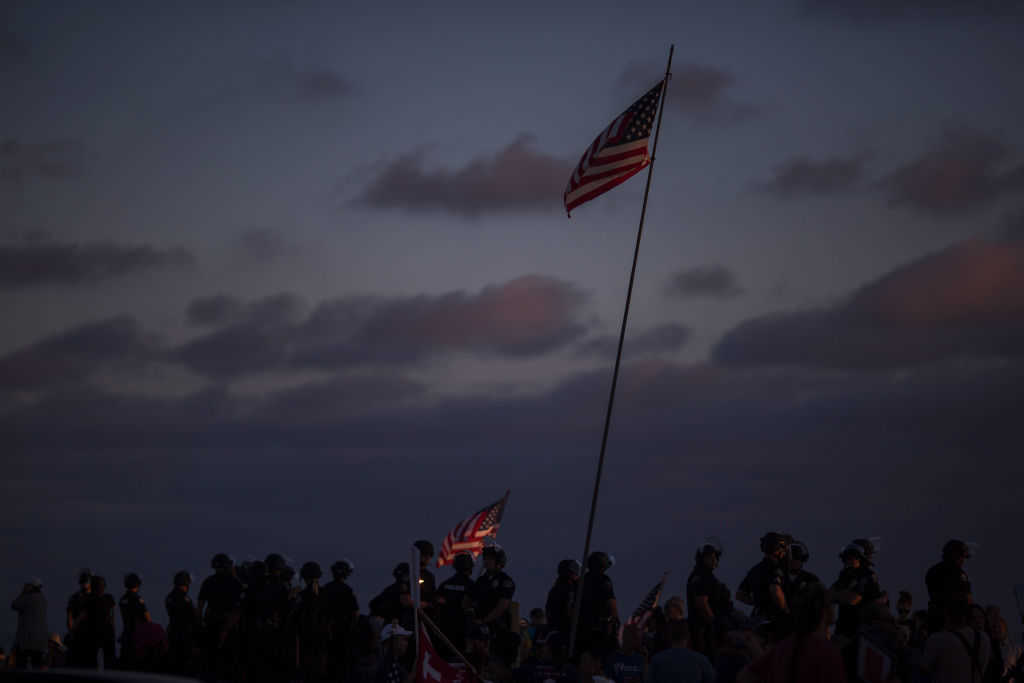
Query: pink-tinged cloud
(517, 178)
(527, 316)
(966, 301)
(963, 170)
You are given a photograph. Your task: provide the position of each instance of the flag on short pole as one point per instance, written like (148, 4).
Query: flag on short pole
(468, 535)
(617, 154)
(432, 668)
(873, 664)
(642, 613)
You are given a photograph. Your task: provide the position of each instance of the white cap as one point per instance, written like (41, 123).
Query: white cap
(393, 630)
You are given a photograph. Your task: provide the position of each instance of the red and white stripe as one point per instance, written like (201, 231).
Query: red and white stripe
(606, 163)
(468, 535)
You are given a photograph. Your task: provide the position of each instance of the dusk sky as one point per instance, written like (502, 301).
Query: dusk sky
(297, 277)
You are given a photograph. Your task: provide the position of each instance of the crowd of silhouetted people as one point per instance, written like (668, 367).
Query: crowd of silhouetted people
(254, 622)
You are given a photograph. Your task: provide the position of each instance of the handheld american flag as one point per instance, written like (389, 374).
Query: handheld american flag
(469, 534)
(617, 154)
(642, 613)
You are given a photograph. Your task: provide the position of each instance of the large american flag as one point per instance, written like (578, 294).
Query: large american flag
(469, 534)
(618, 153)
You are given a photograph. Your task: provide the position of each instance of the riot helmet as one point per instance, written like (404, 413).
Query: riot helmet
(310, 571)
(342, 569)
(182, 578)
(222, 561)
(600, 561)
(132, 580)
(569, 568)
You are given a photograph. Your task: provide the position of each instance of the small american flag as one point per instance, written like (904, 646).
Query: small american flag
(618, 153)
(469, 534)
(642, 613)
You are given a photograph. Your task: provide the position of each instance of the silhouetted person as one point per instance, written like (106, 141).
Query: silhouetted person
(455, 604)
(798, 578)
(764, 585)
(182, 625)
(342, 610)
(30, 644)
(100, 619)
(856, 587)
(133, 612)
(220, 601)
(394, 603)
(493, 591)
(708, 599)
(311, 627)
(947, 581)
(77, 622)
(599, 612)
(559, 605)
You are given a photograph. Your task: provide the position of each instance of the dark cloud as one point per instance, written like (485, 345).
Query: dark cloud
(666, 338)
(32, 265)
(258, 341)
(323, 84)
(869, 12)
(714, 281)
(77, 355)
(963, 170)
(212, 311)
(800, 177)
(698, 91)
(523, 317)
(964, 301)
(59, 160)
(517, 178)
(263, 245)
(690, 438)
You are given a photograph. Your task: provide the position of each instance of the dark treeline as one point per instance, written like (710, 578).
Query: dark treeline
(264, 622)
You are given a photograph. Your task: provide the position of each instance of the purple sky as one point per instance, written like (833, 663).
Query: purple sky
(298, 279)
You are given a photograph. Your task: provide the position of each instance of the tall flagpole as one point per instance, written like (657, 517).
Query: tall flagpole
(577, 602)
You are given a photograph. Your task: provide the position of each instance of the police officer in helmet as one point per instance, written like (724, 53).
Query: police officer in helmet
(707, 597)
(342, 612)
(182, 624)
(395, 601)
(220, 602)
(310, 624)
(562, 595)
(77, 621)
(799, 578)
(455, 602)
(494, 590)
(764, 585)
(856, 587)
(599, 611)
(947, 581)
(133, 613)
